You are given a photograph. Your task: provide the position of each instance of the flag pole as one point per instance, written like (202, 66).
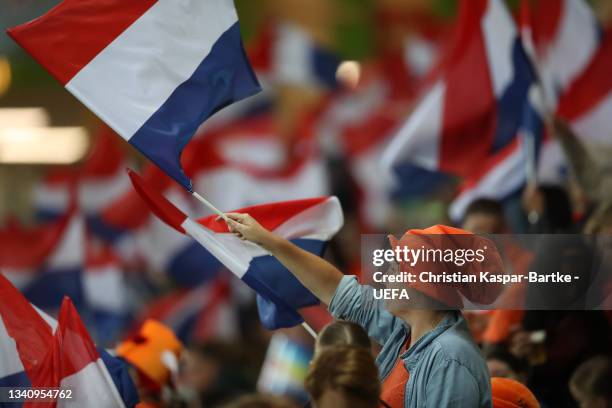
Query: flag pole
(210, 206)
(309, 329)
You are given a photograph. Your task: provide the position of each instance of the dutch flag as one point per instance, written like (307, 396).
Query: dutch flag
(308, 223)
(153, 70)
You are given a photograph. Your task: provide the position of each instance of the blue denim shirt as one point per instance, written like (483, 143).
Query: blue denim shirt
(445, 365)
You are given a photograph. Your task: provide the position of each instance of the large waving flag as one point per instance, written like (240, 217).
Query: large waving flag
(153, 70)
(308, 223)
(474, 107)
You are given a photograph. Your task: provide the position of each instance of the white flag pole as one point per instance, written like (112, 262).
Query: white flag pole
(309, 329)
(209, 205)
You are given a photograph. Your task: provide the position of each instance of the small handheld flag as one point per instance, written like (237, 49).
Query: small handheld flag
(152, 70)
(307, 223)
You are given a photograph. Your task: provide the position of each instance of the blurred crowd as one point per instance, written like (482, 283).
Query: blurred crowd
(314, 130)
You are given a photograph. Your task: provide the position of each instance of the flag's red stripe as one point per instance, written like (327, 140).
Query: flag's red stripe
(31, 333)
(163, 208)
(270, 216)
(546, 20)
(70, 35)
(469, 103)
(592, 86)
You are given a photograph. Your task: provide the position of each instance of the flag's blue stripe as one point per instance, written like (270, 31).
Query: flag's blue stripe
(325, 64)
(223, 77)
(50, 286)
(511, 103)
(193, 265)
(280, 293)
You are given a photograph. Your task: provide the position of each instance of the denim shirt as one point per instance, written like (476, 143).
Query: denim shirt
(446, 367)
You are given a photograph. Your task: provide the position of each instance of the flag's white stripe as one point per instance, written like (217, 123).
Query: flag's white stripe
(150, 59)
(594, 125)
(418, 139)
(503, 179)
(375, 186)
(95, 195)
(70, 251)
(292, 59)
(574, 44)
(499, 37)
(229, 250)
(52, 198)
(10, 362)
(319, 222)
(9, 357)
(91, 387)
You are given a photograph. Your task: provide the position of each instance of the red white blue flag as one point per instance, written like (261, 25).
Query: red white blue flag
(308, 223)
(475, 105)
(153, 70)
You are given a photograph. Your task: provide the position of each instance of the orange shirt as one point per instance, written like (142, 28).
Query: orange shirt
(394, 386)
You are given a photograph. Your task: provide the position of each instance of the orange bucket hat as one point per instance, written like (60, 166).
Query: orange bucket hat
(449, 238)
(150, 350)
(509, 393)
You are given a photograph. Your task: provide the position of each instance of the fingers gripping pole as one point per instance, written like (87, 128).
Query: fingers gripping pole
(209, 205)
(309, 329)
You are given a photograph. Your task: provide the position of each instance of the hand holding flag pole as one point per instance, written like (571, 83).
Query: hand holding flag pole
(236, 263)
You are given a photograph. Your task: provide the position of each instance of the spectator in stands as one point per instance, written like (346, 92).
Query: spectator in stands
(591, 383)
(427, 339)
(214, 373)
(261, 401)
(343, 376)
(342, 332)
(484, 216)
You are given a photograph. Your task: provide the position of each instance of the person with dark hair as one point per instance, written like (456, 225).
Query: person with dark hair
(591, 383)
(343, 376)
(428, 357)
(484, 216)
(261, 401)
(342, 332)
(548, 209)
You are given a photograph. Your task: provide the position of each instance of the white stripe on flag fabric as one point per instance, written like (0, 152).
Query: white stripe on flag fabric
(419, 137)
(10, 363)
(229, 250)
(172, 40)
(499, 35)
(91, 387)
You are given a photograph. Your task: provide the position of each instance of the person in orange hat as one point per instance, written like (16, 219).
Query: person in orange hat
(509, 393)
(428, 357)
(153, 353)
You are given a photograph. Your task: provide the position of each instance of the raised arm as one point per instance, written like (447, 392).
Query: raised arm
(318, 275)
